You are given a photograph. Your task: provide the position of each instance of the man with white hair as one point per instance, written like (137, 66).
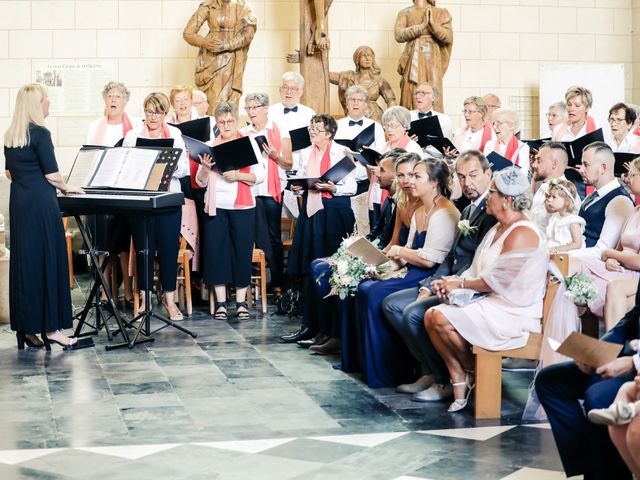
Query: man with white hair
(492, 101)
(200, 102)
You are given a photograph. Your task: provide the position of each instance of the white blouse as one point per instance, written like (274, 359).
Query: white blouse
(347, 186)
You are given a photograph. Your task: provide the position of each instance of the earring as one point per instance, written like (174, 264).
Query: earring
(504, 205)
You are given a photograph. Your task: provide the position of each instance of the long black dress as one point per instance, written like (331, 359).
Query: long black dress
(39, 297)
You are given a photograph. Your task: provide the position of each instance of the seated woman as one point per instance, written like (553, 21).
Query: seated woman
(164, 229)
(510, 266)
(384, 359)
(229, 224)
(616, 273)
(505, 125)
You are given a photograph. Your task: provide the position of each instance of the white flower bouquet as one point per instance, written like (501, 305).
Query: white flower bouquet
(466, 229)
(347, 271)
(580, 289)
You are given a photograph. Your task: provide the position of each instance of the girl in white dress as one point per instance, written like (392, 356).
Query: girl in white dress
(510, 267)
(565, 229)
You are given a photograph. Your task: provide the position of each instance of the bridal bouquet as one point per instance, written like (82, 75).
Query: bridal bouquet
(580, 289)
(348, 270)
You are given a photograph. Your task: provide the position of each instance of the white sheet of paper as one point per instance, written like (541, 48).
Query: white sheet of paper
(136, 168)
(84, 167)
(110, 167)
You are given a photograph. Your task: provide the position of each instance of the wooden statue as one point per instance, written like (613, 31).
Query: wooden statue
(426, 31)
(223, 52)
(367, 75)
(313, 55)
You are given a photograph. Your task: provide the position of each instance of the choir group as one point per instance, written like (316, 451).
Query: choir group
(469, 221)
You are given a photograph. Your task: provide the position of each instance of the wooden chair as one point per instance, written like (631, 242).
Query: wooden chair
(259, 279)
(489, 363)
(287, 229)
(69, 239)
(184, 277)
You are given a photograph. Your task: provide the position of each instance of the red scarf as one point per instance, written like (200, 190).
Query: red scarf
(590, 124)
(512, 148)
(487, 133)
(273, 172)
(325, 164)
(244, 197)
(101, 131)
(165, 131)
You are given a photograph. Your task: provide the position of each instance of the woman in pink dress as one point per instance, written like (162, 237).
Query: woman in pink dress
(616, 273)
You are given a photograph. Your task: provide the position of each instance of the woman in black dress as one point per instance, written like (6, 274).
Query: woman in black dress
(39, 297)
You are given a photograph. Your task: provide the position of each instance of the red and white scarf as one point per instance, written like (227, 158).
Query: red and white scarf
(513, 147)
(317, 167)
(273, 171)
(101, 131)
(564, 126)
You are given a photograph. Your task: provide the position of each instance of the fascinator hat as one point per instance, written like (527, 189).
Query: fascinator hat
(512, 181)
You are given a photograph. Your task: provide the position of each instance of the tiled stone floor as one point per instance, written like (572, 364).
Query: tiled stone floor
(234, 403)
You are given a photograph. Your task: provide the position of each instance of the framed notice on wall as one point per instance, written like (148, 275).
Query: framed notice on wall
(75, 88)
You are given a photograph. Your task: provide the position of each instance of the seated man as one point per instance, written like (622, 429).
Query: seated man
(606, 209)
(318, 309)
(405, 309)
(568, 390)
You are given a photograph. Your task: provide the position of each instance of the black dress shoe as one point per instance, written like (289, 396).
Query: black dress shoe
(303, 333)
(317, 340)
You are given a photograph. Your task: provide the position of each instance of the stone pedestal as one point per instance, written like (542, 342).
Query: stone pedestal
(4, 276)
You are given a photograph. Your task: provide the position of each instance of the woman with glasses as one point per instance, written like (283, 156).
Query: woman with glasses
(396, 122)
(326, 216)
(505, 125)
(578, 123)
(476, 132)
(164, 229)
(230, 218)
(277, 159)
(617, 271)
(621, 121)
(556, 115)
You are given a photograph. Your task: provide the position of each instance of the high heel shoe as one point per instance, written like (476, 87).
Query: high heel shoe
(23, 338)
(459, 403)
(176, 317)
(72, 345)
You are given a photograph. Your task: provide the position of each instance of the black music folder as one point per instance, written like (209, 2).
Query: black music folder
(335, 174)
(154, 142)
(231, 155)
(200, 128)
(261, 140)
(574, 149)
(365, 138)
(440, 143)
(536, 145)
(498, 162)
(621, 159)
(366, 156)
(424, 128)
(299, 138)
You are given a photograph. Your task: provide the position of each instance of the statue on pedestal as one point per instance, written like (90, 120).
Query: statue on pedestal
(223, 52)
(426, 31)
(367, 75)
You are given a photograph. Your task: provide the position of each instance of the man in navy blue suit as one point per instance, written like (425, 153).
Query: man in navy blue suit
(585, 448)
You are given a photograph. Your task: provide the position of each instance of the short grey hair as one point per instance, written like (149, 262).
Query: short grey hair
(120, 86)
(356, 89)
(293, 77)
(399, 114)
(521, 202)
(260, 97)
(201, 94)
(560, 106)
(226, 107)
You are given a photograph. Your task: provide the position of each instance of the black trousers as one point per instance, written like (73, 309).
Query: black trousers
(269, 236)
(164, 237)
(227, 242)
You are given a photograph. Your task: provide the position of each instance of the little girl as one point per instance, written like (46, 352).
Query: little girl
(565, 228)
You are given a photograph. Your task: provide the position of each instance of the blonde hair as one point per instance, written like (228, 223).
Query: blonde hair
(575, 91)
(567, 190)
(28, 110)
(509, 115)
(179, 89)
(158, 101)
(478, 102)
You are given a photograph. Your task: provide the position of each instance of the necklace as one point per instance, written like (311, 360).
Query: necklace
(426, 215)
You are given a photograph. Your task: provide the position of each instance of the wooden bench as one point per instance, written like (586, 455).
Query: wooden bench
(489, 363)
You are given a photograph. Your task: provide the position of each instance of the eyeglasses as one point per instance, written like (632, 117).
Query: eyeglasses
(421, 93)
(226, 122)
(552, 115)
(616, 121)
(315, 130)
(497, 123)
(151, 114)
(627, 177)
(356, 100)
(392, 126)
(115, 97)
(469, 112)
(249, 108)
(290, 89)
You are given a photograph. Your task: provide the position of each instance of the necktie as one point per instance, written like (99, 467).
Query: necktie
(428, 114)
(472, 208)
(292, 109)
(589, 200)
(353, 122)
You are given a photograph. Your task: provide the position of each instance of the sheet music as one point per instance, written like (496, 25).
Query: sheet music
(136, 169)
(84, 167)
(110, 167)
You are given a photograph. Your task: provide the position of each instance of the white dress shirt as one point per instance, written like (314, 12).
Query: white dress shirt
(291, 121)
(346, 132)
(262, 189)
(182, 169)
(113, 133)
(568, 136)
(521, 157)
(616, 214)
(628, 144)
(445, 121)
(465, 140)
(345, 187)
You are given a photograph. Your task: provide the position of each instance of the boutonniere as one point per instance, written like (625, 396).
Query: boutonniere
(466, 228)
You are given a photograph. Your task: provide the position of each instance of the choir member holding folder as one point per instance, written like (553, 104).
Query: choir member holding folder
(276, 158)
(107, 131)
(229, 224)
(477, 131)
(326, 216)
(578, 123)
(164, 229)
(505, 124)
(424, 97)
